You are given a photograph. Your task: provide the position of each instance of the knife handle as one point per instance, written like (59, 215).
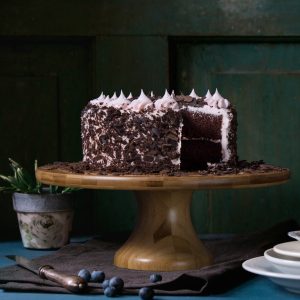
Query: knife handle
(74, 284)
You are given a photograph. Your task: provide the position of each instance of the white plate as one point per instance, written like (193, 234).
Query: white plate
(259, 265)
(289, 248)
(294, 234)
(284, 263)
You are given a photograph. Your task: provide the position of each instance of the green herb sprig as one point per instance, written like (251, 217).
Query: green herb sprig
(23, 182)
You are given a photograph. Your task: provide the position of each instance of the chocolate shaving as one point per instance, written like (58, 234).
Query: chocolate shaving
(241, 167)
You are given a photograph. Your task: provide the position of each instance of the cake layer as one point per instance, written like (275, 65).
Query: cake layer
(201, 125)
(196, 153)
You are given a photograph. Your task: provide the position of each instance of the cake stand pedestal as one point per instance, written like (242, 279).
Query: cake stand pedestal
(164, 238)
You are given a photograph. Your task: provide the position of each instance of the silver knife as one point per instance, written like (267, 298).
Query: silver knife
(72, 283)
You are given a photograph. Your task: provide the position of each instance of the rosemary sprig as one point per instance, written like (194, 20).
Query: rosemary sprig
(23, 182)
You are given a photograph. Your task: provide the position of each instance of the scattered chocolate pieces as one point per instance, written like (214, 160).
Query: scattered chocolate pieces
(241, 167)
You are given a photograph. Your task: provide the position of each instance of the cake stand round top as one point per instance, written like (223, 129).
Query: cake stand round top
(53, 175)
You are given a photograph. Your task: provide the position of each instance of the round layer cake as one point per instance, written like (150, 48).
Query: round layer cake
(151, 134)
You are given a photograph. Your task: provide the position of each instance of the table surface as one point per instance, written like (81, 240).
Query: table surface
(256, 288)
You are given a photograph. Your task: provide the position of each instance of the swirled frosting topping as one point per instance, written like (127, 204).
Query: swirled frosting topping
(120, 102)
(216, 100)
(141, 103)
(166, 102)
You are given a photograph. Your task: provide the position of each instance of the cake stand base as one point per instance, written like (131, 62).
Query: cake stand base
(164, 238)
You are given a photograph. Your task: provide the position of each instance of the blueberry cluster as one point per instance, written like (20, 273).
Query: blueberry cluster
(95, 276)
(114, 286)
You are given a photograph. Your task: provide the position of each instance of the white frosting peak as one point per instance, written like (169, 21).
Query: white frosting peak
(193, 94)
(216, 100)
(217, 96)
(120, 102)
(122, 96)
(114, 96)
(208, 94)
(142, 95)
(167, 101)
(129, 96)
(166, 95)
(98, 100)
(151, 94)
(141, 103)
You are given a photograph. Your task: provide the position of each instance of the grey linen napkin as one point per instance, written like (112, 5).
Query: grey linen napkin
(224, 274)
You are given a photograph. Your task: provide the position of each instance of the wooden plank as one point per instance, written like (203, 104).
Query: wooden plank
(44, 85)
(113, 212)
(28, 131)
(262, 80)
(133, 17)
(68, 61)
(22, 139)
(131, 63)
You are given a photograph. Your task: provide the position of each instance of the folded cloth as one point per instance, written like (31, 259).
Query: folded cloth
(95, 254)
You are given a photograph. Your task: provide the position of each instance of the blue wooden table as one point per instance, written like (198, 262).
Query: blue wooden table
(256, 288)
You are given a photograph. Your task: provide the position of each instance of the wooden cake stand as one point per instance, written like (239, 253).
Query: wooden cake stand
(164, 238)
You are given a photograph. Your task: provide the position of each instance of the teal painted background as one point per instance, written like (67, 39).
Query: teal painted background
(53, 62)
(262, 80)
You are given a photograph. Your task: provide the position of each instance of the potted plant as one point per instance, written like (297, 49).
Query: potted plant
(45, 213)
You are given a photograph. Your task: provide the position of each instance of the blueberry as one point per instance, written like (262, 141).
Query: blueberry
(110, 291)
(155, 277)
(97, 276)
(85, 274)
(146, 293)
(105, 284)
(117, 283)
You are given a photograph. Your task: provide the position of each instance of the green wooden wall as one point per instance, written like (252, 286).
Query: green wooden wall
(55, 56)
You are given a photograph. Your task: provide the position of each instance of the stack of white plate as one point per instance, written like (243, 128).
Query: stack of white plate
(281, 264)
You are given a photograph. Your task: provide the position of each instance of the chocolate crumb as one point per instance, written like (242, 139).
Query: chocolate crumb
(218, 169)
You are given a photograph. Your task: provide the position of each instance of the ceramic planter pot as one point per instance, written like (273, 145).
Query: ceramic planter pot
(45, 220)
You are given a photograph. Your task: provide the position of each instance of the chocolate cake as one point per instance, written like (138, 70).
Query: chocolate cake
(151, 134)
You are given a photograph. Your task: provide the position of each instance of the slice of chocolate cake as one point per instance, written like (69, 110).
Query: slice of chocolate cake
(154, 134)
(209, 132)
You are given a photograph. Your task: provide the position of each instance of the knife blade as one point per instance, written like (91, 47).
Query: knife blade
(73, 283)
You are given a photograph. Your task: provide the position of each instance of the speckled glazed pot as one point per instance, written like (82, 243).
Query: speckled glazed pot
(45, 220)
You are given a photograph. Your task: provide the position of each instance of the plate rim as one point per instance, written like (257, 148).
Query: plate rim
(286, 262)
(261, 271)
(293, 234)
(288, 253)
